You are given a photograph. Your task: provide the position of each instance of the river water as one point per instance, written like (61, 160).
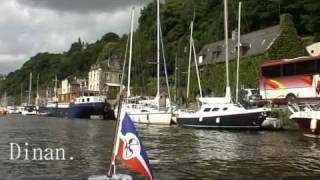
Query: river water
(174, 152)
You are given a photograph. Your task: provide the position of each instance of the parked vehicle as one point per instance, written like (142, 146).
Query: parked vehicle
(251, 97)
(285, 81)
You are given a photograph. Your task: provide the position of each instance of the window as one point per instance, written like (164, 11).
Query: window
(215, 109)
(255, 91)
(82, 100)
(206, 110)
(88, 99)
(288, 69)
(225, 108)
(271, 71)
(306, 67)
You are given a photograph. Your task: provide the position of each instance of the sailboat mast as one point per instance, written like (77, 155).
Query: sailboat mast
(130, 53)
(190, 56)
(228, 93)
(158, 48)
(197, 69)
(238, 53)
(30, 89)
(37, 98)
(56, 89)
(112, 167)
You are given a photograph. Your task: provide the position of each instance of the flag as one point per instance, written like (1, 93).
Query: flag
(130, 150)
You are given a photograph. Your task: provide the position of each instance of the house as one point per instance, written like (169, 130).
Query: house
(71, 88)
(104, 76)
(251, 44)
(73, 84)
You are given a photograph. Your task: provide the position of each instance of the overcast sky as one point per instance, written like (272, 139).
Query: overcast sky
(31, 26)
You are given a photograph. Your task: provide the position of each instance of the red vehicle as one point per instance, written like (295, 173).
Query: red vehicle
(286, 80)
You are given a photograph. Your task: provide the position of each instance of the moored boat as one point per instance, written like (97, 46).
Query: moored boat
(82, 107)
(156, 110)
(226, 116)
(308, 119)
(146, 112)
(29, 110)
(221, 112)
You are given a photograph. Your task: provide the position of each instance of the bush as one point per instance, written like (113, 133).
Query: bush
(288, 44)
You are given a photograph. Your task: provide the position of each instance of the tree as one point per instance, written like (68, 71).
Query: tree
(288, 44)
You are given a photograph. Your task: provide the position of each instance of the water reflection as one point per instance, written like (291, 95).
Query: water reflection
(175, 153)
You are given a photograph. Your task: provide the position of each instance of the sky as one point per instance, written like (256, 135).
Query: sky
(31, 26)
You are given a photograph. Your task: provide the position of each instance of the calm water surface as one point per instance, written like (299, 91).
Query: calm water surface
(175, 153)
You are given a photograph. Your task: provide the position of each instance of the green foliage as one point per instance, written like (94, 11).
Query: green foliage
(76, 61)
(110, 37)
(213, 76)
(288, 44)
(312, 18)
(175, 21)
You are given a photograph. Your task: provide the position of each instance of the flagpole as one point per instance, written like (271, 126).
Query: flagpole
(112, 168)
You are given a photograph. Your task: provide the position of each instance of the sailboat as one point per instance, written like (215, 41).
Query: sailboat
(29, 109)
(127, 148)
(221, 112)
(148, 111)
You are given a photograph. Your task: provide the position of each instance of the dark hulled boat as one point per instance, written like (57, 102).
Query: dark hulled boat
(224, 116)
(82, 107)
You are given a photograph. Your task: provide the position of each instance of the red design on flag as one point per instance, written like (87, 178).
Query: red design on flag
(130, 150)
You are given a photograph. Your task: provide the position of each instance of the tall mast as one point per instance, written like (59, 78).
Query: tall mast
(197, 69)
(158, 49)
(37, 97)
(130, 53)
(21, 93)
(55, 88)
(112, 167)
(175, 77)
(190, 56)
(238, 53)
(165, 68)
(30, 89)
(124, 64)
(228, 92)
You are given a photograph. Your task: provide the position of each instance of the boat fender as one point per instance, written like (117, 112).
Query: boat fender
(218, 120)
(313, 124)
(200, 119)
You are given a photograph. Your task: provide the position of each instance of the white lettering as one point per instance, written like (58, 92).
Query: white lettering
(62, 154)
(26, 151)
(11, 151)
(39, 150)
(49, 154)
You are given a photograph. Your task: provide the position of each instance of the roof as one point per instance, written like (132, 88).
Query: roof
(111, 65)
(253, 43)
(288, 61)
(74, 80)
